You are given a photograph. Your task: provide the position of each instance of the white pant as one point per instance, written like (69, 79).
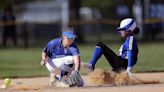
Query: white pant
(55, 63)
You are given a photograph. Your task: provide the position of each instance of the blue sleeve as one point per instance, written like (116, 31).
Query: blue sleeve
(74, 51)
(47, 49)
(130, 58)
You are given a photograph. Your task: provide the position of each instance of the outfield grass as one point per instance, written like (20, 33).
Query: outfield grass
(20, 62)
(26, 62)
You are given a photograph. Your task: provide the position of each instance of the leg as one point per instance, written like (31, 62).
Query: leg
(53, 71)
(59, 68)
(52, 68)
(51, 79)
(120, 64)
(65, 64)
(109, 54)
(114, 60)
(96, 55)
(98, 51)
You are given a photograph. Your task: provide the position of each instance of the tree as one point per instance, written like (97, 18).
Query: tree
(74, 6)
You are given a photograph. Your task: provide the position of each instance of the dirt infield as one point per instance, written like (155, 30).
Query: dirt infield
(41, 85)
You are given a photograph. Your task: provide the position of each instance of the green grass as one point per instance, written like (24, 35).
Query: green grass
(151, 58)
(26, 62)
(21, 63)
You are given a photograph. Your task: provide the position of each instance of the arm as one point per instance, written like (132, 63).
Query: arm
(76, 60)
(129, 67)
(75, 78)
(130, 54)
(76, 57)
(44, 56)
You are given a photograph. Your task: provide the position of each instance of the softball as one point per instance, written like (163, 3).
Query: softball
(7, 81)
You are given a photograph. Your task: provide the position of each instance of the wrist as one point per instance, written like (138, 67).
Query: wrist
(43, 59)
(76, 69)
(42, 62)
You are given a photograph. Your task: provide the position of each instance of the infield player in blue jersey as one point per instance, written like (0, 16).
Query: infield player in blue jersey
(128, 50)
(62, 58)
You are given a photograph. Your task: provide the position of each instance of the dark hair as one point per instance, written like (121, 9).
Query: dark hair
(136, 31)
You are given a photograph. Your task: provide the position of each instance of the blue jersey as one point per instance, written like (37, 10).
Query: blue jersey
(55, 49)
(129, 50)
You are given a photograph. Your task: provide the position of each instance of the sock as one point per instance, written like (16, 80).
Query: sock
(63, 73)
(96, 55)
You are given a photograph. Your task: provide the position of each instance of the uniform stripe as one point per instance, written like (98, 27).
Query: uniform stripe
(130, 42)
(126, 56)
(120, 50)
(129, 25)
(133, 26)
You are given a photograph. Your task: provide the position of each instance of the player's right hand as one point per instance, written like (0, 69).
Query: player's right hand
(128, 71)
(42, 63)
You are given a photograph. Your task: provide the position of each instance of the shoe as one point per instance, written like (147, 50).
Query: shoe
(51, 79)
(62, 84)
(88, 66)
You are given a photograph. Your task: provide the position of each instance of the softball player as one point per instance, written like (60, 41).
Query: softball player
(62, 59)
(128, 51)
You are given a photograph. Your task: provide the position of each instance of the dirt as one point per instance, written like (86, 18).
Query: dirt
(40, 84)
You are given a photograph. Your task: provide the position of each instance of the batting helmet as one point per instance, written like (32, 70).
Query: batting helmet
(130, 25)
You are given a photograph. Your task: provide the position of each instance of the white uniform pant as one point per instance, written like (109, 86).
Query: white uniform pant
(57, 63)
(53, 64)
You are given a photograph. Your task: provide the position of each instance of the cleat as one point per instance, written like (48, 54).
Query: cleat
(88, 66)
(62, 84)
(51, 79)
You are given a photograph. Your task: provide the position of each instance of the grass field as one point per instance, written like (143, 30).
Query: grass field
(26, 62)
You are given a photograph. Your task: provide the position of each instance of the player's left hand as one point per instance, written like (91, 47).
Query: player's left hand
(74, 78)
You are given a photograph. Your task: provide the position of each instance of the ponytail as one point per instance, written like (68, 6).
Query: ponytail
(136, 31)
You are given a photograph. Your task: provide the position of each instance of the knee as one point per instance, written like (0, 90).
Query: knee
(100, 44)
(50, 68)
(67, 67)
